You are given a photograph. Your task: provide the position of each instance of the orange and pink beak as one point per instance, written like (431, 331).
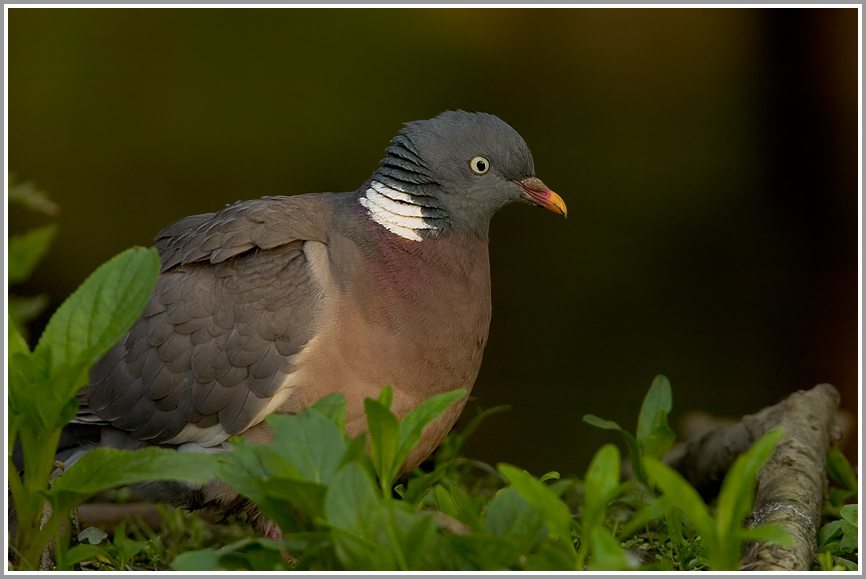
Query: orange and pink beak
(537, 192)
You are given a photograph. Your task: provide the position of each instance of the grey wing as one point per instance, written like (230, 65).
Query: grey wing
(216, 342)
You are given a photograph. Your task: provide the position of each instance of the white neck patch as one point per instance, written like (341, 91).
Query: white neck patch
(395, 210)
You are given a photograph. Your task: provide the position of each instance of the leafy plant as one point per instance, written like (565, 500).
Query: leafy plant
(723, 534)
(654, 436)
(42, 388)
(837, 539)
(26, 250)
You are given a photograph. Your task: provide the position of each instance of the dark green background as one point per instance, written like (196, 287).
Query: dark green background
(708, 158)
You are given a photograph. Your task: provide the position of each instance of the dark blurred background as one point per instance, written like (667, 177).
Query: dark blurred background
(708, 158)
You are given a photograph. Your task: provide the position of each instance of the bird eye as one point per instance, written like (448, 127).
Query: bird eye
(479, 165)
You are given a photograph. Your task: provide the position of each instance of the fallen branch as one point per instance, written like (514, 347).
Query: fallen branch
(793, 483)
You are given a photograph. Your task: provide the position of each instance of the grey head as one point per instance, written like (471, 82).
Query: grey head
(453, 172)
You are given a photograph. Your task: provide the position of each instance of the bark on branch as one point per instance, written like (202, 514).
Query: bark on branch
(793, 483)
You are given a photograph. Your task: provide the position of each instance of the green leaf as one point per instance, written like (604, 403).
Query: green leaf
(282, 498)
(551, 556)
(683, 496)
(414, 422)
(22, 309)
(654, 437)
(311, 441)
(631, 443)
(92, 535)
(849, 537)
(484, 552)
(840, 469)
(829, 532)
(26, 250)
(445, 502)
(249, 464)
(601, 422)
(77, 554)
(202, 560)
(849, 513)
(416, 534)
(656, 406)
(104, 468)
(15, 343)
(552, 511)
(510, 515)
(737, 494)
(766, 534)
(334, 407)
(353, 512)
(420, 484)
(600, 484)
(847, 565)
(100, 311)
(384, 438)
(607, 554)
(386, 395)
(450, 448)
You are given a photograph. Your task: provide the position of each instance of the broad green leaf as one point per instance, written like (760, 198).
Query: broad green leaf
(311, 441)
(600, 484)
(416, 534)
(334, 407)
(384, 439)
(737, 494)
(104, 468)
(350, 499)
(98, 313)
(414, 422)
(553, 512)
(848, 544)
(292, 504)
(26, 250)
(828, 532)
(849, 513)
(509, 514)
(30, 395)
(356, 519)
(249, 464)
(683, 496)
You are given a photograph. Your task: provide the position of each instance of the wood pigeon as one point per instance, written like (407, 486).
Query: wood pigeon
(267, 305)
